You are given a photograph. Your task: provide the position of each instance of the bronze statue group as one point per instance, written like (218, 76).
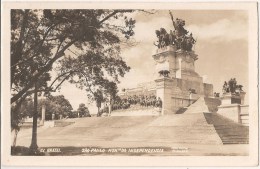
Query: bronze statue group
(125, 103)
(178, 37)
(142, 100)
(232, 87)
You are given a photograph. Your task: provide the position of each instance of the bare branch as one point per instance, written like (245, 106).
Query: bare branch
(112, 14)
(58, 78)
(146, 11)
(44, 69)
(61, 83)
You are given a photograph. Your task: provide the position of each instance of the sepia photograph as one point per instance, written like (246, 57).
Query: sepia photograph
(129, 84)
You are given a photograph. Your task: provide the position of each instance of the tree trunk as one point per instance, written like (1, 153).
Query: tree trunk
(34, 146)
(15, 120)
(15, 133)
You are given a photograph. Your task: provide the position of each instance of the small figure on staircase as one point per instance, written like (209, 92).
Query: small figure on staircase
(159, 103)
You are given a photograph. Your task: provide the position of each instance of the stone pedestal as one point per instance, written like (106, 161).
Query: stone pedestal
(180, 64)
(185, 65)
(229, 98)
(164, 87)
(226, 99)
(165, 59)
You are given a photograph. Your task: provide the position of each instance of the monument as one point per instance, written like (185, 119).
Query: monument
(177, 84)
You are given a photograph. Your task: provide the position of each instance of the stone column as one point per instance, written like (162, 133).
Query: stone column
(164, 91)
(242, 97)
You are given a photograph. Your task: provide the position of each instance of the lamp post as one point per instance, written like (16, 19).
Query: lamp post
(190, 96)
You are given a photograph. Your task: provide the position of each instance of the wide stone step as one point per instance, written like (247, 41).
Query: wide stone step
(235, 142)
(244, 117)
(137, 112)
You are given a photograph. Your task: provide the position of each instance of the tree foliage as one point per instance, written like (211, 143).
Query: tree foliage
(83, 111)
(83, 44)
(41, 37)
(57, 105)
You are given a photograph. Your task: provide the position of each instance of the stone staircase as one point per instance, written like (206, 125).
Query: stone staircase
(137, 110)
(229, 131)
(178, 128)
(196, 126)
(138, 130)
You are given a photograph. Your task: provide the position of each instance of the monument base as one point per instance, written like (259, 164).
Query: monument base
(175, 93)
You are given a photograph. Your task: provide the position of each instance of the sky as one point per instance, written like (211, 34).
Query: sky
(222, 49)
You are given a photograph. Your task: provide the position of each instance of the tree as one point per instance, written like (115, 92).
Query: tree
(40, 38)
(99, 98)
(60, 106)
(83, 111)
(73, 114)
(36, 33)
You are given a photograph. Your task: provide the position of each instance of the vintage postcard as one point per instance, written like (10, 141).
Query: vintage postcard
(129, 84)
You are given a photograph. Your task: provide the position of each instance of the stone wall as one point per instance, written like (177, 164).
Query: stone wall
(235, 112)
(175, 93)
(208, 89)
(231, 112)
(181, 86)
(178, 103)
